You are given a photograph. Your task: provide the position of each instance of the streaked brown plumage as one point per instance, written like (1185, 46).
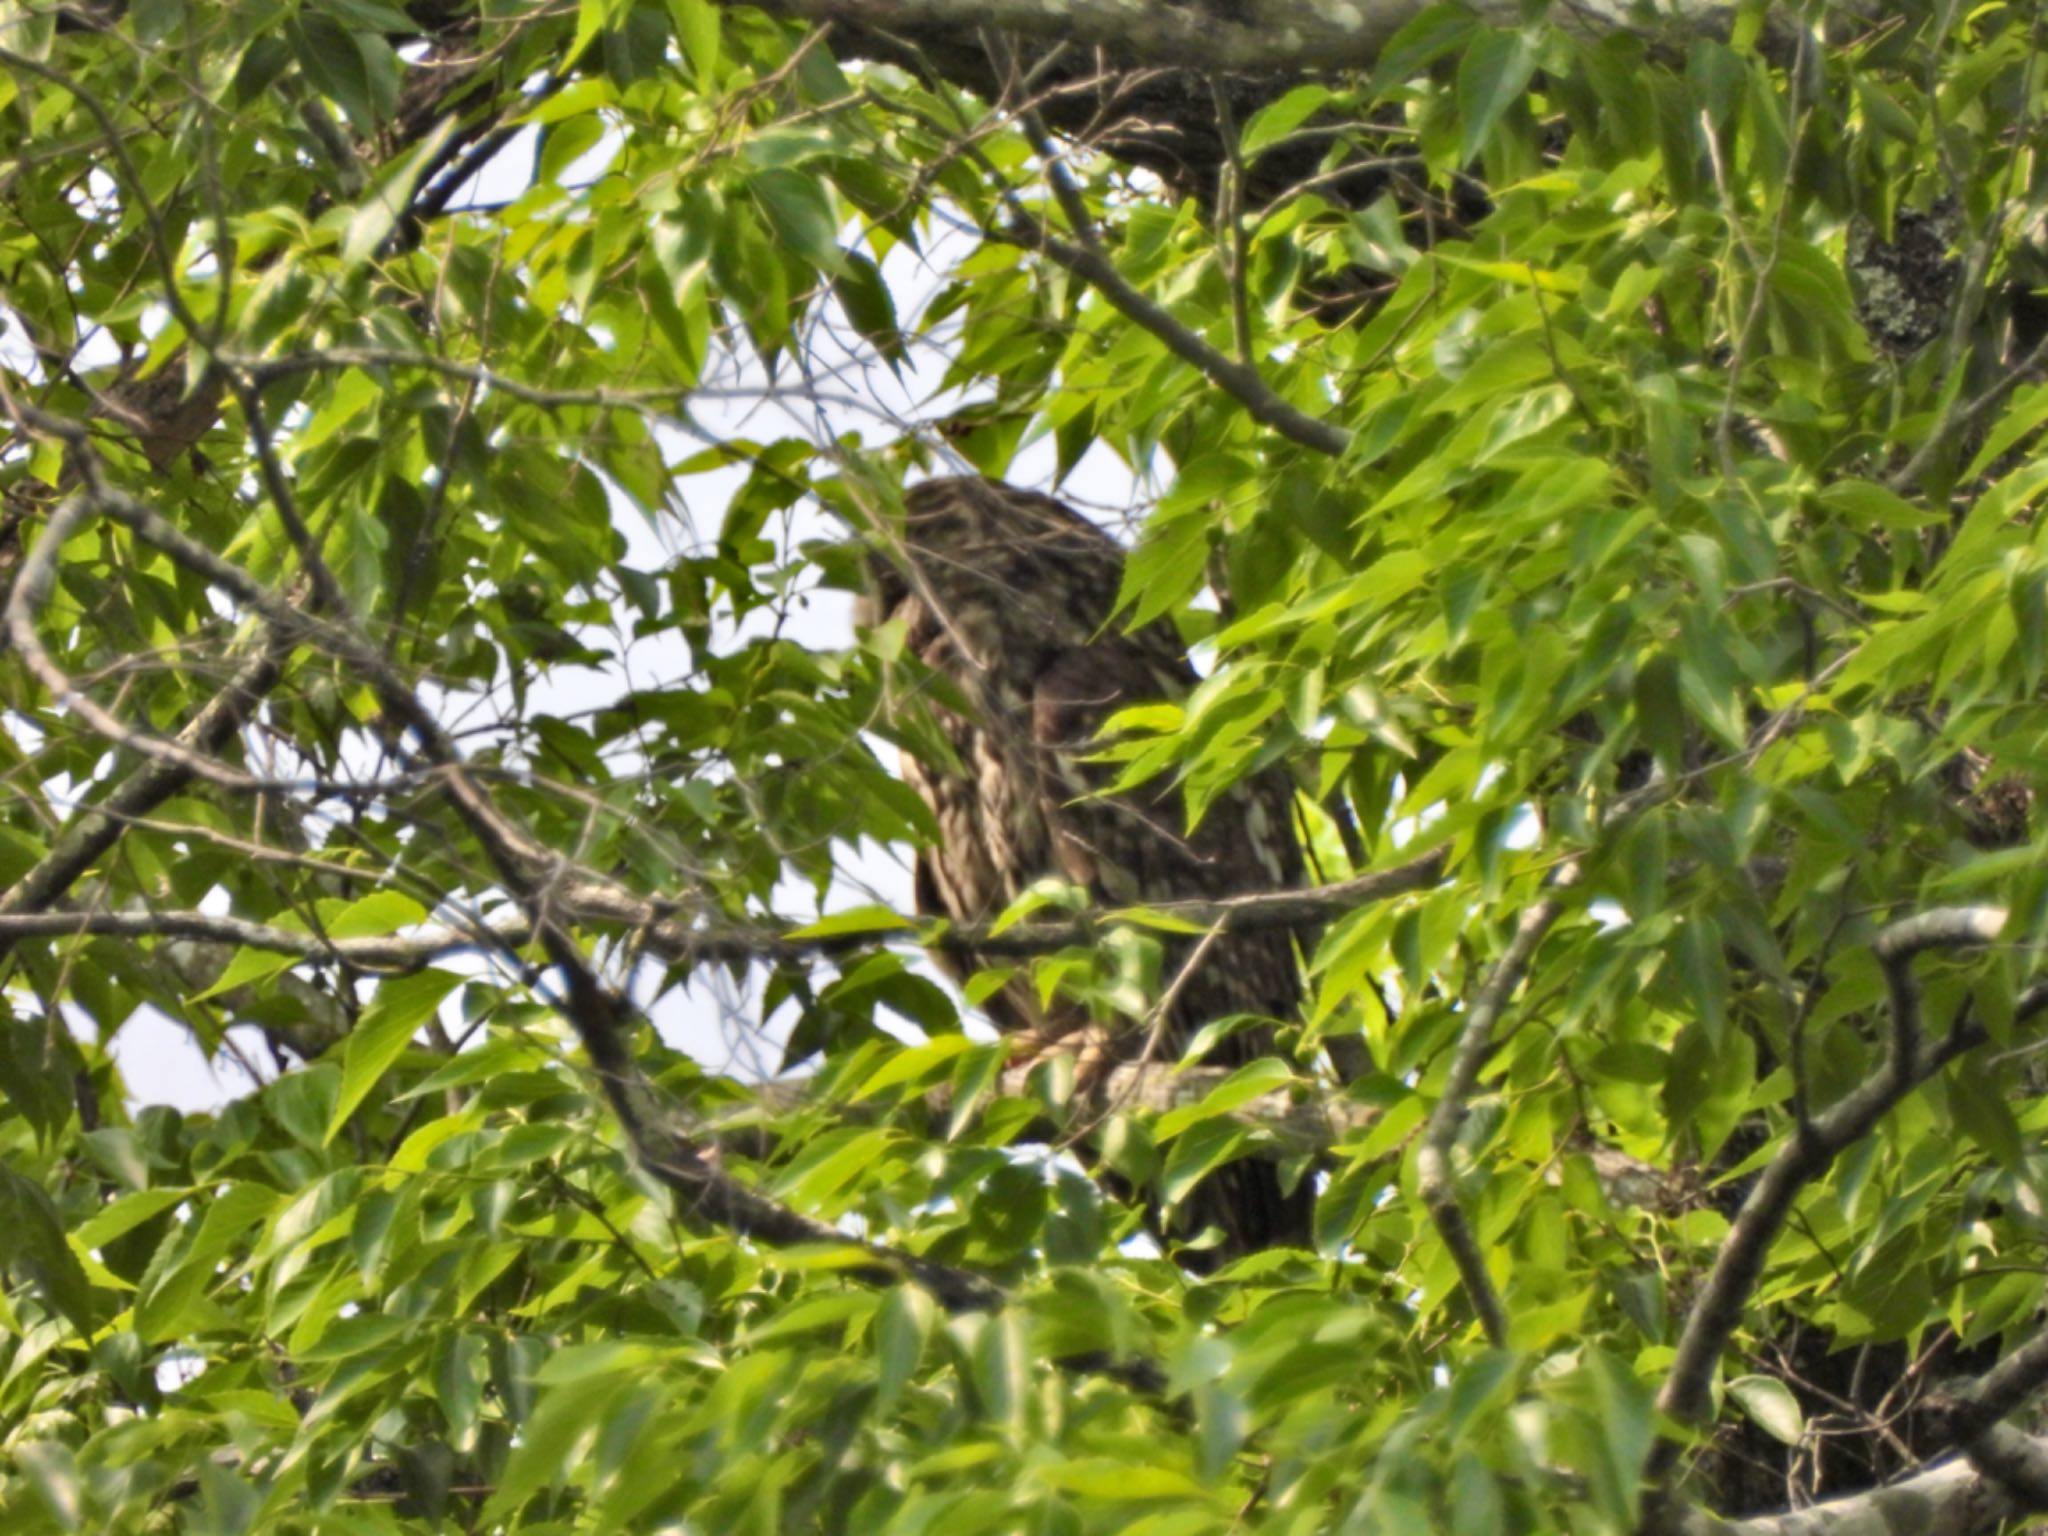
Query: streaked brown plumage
(1011, 595)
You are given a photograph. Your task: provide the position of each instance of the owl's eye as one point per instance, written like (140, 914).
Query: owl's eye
(935, 530)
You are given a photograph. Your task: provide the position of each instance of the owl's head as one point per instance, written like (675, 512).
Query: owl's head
(971, 543)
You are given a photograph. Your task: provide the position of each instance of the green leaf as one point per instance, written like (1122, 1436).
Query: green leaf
(53, 1473)
(902, 1327)
(1492, 75)
(1277, 119)
(246, 967)
(118, 1152)
(828, 1311)
(1164, 570)
(1771, 1406)
(913, 1065)
(1623, 1426)
(327, 52)
(37, 1250)
(1984, 1115)
(565, 142)
(865, 919)
(831, 1162)
(551, 1438)
(377, 914)
(1704, 968)
(1118, 1481)
(1423, 39)
(697, 26)
(592, 16)
(1201, 1148)
(1811, 284)
(370, 16)
(609, 1357)
(387, 1026)
(2023, 415)
(1875, 506)
(1250, 1081)
(378, 214)
(800, 213)
(493, 1058)
(1000, 1366)
(973, 1078)
(126, 1214)
(165, 1304)
(1631, 1061)
(865, 297)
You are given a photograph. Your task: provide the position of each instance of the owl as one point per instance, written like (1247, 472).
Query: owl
(1011, 596)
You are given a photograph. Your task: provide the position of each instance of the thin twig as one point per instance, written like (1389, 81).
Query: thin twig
(1231, 244)
(1155, 1025)
(1437, 1184)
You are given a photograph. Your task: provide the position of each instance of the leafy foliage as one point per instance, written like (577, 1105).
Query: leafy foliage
(1676, 578)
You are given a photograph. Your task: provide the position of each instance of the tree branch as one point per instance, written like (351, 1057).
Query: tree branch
(2017, 1462)
(2002, 1473)
(31, 589)
(582, 896)
(1252, 35)
(1240, 381)
(602, 1020)
(1436, 1184)
(97, 829)
(1951, 1498)
(1687, 1394)
(2000, 1391)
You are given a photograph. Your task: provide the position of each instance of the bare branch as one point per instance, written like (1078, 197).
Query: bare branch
(2017, 1462)
(1896, 948)
(1951, 1498)
(1232, 245)
(2000, 1391)
(1252, 35)
(1973, 1417)
(582, 896)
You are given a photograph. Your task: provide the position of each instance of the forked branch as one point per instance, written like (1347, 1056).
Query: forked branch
(1808, 1150)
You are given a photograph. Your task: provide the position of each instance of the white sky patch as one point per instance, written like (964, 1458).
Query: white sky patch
(161, 1062)
(179, 1368)
(1607, 913)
